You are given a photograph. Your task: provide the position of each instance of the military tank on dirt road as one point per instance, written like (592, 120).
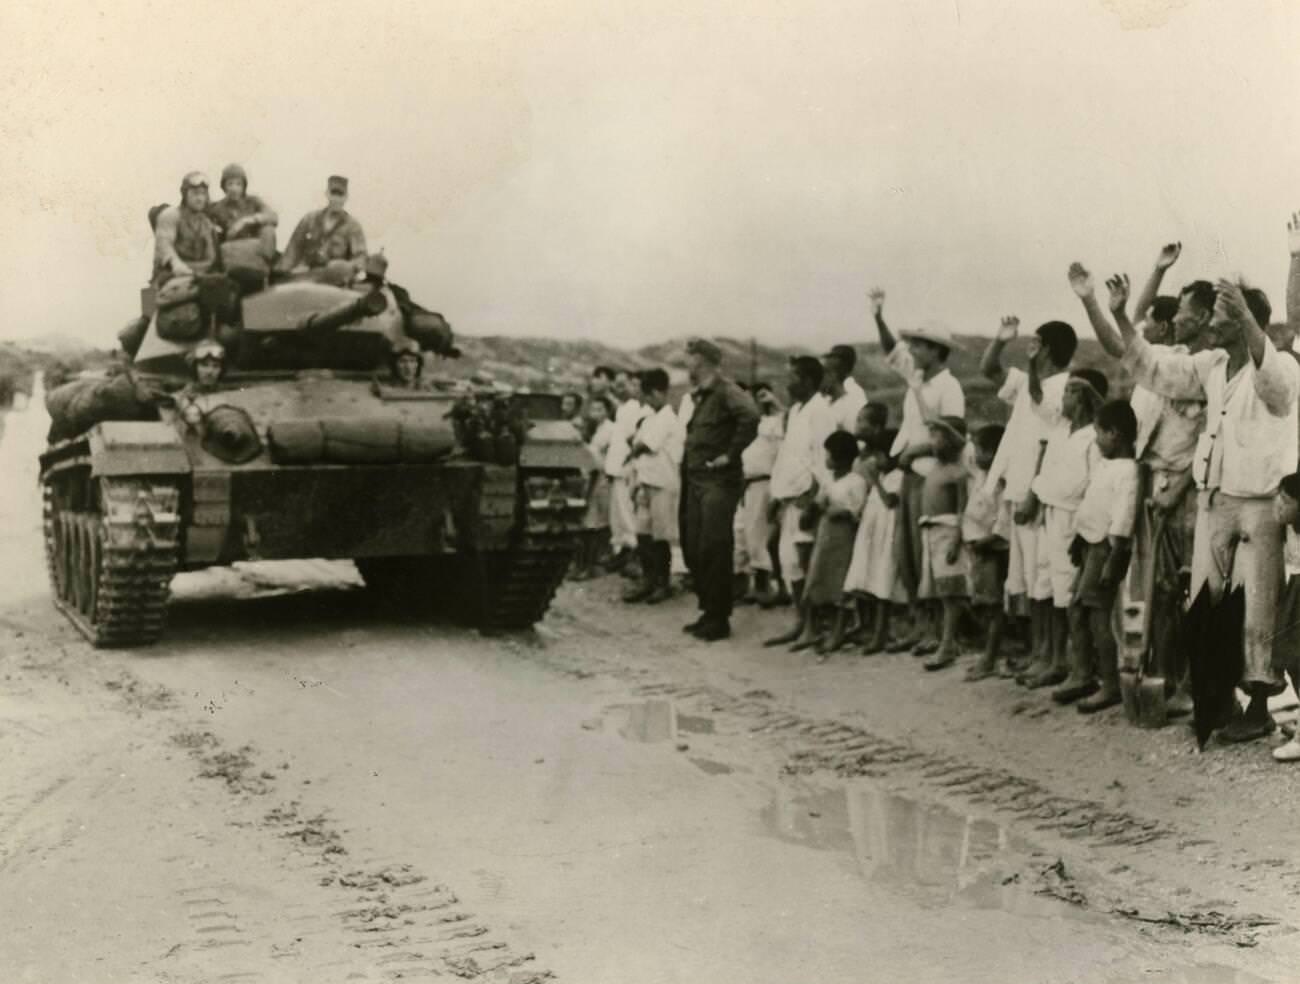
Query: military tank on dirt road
(468, 503)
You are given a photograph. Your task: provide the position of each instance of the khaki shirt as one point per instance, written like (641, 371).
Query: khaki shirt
(321, 236)
(185, 235)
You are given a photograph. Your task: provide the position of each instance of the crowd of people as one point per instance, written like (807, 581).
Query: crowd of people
(1082, 506)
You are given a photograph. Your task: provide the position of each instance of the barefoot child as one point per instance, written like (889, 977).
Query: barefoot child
(872, 581)
(840, 504)
(987, 544)
(1101, 548)
(943, 565)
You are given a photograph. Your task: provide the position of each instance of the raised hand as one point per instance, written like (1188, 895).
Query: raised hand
(1169, 254)
(1080, 280)
(1231, 302)
(877, 297)
(1293, 233)
(1009, 328)
(1118, 286)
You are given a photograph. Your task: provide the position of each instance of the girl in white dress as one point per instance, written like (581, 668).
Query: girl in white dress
(872, 580)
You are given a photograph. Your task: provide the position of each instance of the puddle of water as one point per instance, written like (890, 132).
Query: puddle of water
(926, 850)
(1208, 973)
(658, 720)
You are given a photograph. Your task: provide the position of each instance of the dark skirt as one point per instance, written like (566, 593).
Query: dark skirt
(832, 553)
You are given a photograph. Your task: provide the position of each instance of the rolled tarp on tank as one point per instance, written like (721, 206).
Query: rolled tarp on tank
(349, 441)
(77, 406)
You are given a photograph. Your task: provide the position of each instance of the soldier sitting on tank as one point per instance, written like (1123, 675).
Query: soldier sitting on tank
(185, 239)
(406, 365)
(328, 243)
(240, 215)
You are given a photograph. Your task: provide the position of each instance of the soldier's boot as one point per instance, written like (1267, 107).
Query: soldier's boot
(644, 549)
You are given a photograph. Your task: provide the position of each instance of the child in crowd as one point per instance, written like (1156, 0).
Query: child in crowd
(600, 424)
(1100, 549)
(839, 505)
(985, 533)
(871, 582)
(1286, 637)
(571, 410)
(754, 527)
(1056, 492)
(943, 564)
(657, 447)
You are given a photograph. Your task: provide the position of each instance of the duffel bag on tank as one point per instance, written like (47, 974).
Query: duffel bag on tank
(77, 406)
(179, 318)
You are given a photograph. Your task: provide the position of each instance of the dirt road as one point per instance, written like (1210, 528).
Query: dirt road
(295, 787)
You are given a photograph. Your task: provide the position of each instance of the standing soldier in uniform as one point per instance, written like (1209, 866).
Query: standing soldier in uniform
(185, 240)
(328, 241)
(240, 215)
(723, 422)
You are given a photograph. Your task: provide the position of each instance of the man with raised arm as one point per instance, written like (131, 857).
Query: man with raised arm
(932, 392)
(1035, 397)
(1168, 430)
(1248, 444)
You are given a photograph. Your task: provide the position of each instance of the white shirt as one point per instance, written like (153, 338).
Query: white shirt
(1251, 420)
(802, 456)
(1109, 506)
(599, 443)
(845, 409)
(1167, 429)
(757, 460)
(1068, 464)
(939, 396)
(848, 492)
(664, 435)
(851, 385)
(626, 417)
(1029, 425)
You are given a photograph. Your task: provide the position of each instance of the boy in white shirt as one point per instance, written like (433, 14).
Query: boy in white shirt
(656, 469)
(1100, 550)
(1054, 495)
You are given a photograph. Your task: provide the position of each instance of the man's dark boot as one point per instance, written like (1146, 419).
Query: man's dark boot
(1254, 723)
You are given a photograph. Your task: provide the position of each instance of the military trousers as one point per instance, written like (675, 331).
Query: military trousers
(708, 538)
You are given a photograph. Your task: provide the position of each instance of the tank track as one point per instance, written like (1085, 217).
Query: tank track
(516, 586)
(111, 561)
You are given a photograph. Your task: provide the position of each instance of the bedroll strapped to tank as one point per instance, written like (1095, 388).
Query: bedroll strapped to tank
(77, 406)
(349, 441)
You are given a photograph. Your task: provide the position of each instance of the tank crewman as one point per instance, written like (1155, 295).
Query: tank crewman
(406, 364)
(240, 215)
(185, 240)
(207, 362)
(329, 241)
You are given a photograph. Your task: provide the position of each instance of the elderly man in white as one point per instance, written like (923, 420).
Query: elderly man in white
(1247, 446)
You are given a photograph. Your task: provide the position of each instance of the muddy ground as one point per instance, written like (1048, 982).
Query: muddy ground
(294, 786)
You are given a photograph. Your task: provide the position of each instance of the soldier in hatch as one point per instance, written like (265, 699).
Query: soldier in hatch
(240, 215)
(185, 240)
(329, 242)
(407, 365)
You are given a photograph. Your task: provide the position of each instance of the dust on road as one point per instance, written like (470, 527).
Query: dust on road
(294, 787)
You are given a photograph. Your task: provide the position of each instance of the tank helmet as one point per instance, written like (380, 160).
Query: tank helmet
(406, 346)
(232, 171)
(195, 179)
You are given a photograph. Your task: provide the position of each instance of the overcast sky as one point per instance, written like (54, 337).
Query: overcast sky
(633, 172)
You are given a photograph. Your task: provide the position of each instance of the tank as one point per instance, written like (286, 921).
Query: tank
(447, 501)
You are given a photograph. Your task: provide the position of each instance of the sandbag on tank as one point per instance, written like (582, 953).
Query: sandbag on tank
(374, 441)
(179, 318)
(245, 263)
(77, 406)
(296, 442)
(426, 442)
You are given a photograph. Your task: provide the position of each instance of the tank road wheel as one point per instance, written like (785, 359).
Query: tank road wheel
(112, 547)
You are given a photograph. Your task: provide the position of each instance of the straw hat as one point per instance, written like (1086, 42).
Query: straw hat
(934, 332)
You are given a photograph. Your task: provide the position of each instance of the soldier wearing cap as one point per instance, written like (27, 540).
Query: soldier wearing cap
(185, 240)
(240, 215)
(328, 241)
(723, 422)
